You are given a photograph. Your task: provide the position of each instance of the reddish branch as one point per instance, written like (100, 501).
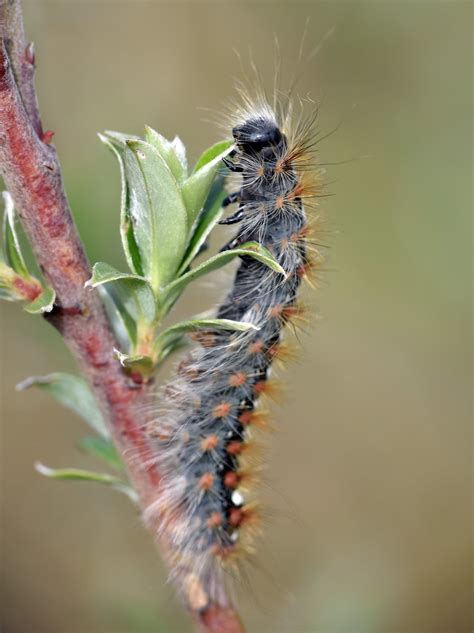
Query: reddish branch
(31, 171)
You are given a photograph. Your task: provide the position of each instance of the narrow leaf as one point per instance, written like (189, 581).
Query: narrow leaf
(169, 347)
(73, 393)
(250, 249)
(132, 295)
(157, 211)
(193, 325)
(14, 287)
(43, 303)
(77, 474)
(211, 153)
(7, 279)
(118, 139)
(102, 273)
(173, 152)
(207, 220)
(6, 294)
(171, 334)
(103, 449)
(124, 327)
(196, 188)
(11, 243)
(180, 151)
(116, 142)
(140, 363)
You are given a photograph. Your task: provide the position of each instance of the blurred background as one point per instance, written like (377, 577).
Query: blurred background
(368, 478)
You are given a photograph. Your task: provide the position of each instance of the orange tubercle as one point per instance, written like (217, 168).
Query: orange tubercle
(235, 447)
(210, 442)
(283, 352)
(247, 515)
(256, 347)
(279, 202)
(238, 380)
(222, 410)
(255, 418)
(215, 520)
(260, 387)
(295, 313)
(235, 517)
(206, 481)
(231, 479)
(280, 166)
(270, 388)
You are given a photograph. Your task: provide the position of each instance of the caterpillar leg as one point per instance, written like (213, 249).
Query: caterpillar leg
(233, 243)
(232, 166)
(234, 218)
(231, 198)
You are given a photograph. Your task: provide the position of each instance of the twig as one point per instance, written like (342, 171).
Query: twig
(31, 171)
(22, 58)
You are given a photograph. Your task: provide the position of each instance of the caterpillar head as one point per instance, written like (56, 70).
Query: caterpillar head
(257, 133)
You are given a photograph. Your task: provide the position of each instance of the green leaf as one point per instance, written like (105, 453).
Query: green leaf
(11, 243)
(169, 347)
(73, 393)
(194, 325)
(196, 188)
(209, 217)
(13, 287)
(123, 325)
(142, 364)
(132, 295)
(6, 294)
(211, 153)
(7, 279)
(251, 249)
(103, 273)
(173, 334)
(116, 142)
(118, 139)
(173, 152)
(157, 211)
(103, 449)
(16, 283)
(76, 474)
(43, 303)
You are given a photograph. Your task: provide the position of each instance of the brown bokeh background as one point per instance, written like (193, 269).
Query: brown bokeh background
(368, 479)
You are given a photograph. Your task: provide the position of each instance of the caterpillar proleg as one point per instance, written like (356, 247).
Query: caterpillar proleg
(211, 407)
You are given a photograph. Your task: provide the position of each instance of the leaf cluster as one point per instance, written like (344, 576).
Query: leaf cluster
(167, 214)
(16, 281)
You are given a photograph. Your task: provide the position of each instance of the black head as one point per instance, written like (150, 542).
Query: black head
(257, 133)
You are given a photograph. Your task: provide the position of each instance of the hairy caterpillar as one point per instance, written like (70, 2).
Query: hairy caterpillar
(205, 428)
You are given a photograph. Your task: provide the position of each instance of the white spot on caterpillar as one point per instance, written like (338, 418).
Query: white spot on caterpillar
(237, 498)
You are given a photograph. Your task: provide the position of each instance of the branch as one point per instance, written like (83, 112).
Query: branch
(31, 171)
(219, 619)
(22, 58)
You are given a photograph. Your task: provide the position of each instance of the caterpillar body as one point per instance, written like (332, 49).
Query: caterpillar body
(205, 428)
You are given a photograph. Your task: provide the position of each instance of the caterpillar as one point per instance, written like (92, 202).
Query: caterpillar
(205, 429)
